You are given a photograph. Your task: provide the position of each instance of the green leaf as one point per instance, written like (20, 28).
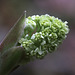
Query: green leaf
(14, 34)
(10, 59)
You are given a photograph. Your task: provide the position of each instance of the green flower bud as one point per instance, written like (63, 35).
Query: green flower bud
(43, 34)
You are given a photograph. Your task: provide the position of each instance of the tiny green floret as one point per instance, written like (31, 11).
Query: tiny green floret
(43, 34)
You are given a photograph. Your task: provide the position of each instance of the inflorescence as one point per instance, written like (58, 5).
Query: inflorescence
(42, 34)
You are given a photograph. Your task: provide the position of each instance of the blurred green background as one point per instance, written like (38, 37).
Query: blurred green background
(60, 62)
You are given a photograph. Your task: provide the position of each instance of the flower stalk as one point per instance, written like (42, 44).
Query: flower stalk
(10, 53)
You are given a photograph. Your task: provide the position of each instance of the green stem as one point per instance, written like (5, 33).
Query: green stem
(10, 60)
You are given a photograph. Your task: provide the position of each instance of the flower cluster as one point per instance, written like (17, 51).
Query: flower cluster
(43, 34)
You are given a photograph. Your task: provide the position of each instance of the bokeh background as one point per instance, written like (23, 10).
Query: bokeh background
(60, 62)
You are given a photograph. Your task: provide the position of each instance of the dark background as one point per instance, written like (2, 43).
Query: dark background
(60, 62)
